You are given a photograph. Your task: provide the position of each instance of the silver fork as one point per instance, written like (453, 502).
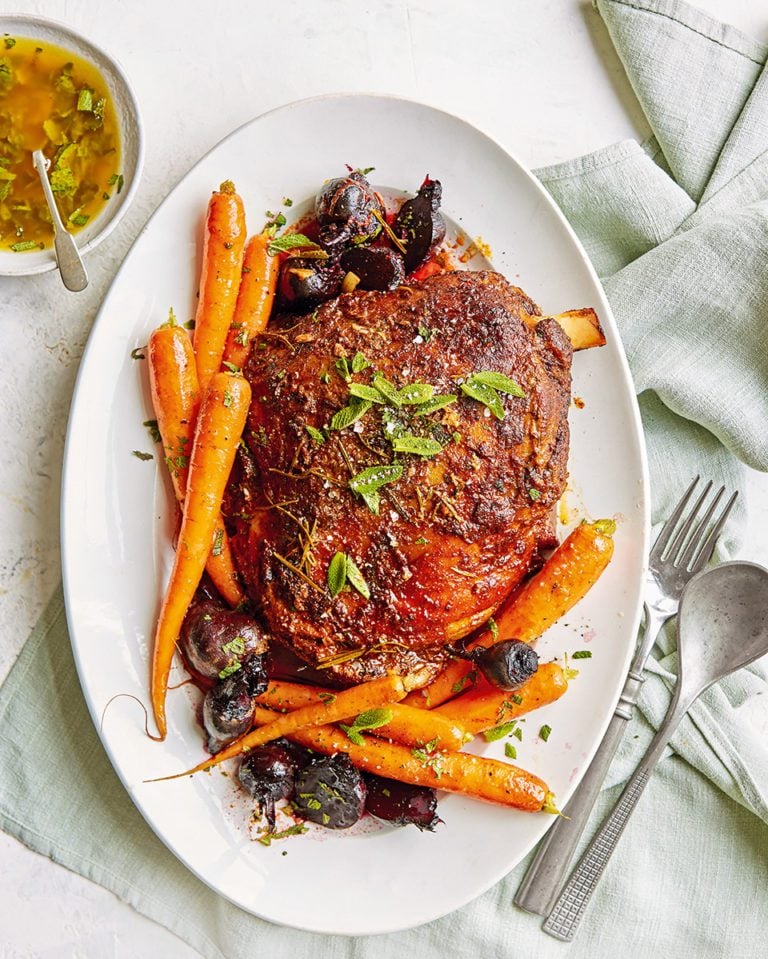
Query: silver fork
(683, 547)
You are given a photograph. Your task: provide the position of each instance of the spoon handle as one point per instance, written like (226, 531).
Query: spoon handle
(564, 919)
(68, 259)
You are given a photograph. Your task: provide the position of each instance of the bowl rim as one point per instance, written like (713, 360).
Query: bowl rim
(24, 25)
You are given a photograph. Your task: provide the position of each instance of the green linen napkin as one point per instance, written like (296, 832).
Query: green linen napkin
(678, 232)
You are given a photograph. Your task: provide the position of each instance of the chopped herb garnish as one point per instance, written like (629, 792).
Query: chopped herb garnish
(23, 245)
(518, 733)
(228, 398)
(509, 751)
(425, 333)
(420, 541)
(582, 654)
(493, 627)
(500, 731)
(218, 543)
(287, 201)
(230, 669)
(297, 829)
(359, 363)
(142, 456)
(365, 170)
(516, 699)
(85, 100)
(236, 646)
(465, 681)
(417, 445)
(534, 494)
(430, 758)
(154, 432)
(326, 698)
(231, 366)
(290, 241)
(117, 180)
(544, 732)
(315, 434)
(9, 42)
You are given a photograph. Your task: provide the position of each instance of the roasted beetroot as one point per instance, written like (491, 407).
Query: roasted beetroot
(268, 773)
(305, 283)
(401, 804)
(419, 224)
(349, 203)
(213, 638)
(507, 664)
(229, 706)
(331, 792)
(376, 267)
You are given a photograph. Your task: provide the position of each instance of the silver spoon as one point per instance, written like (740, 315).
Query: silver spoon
(71, 268)
(722, 626)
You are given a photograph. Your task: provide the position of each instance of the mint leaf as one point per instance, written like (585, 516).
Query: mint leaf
(350, 414)
(498, 381)
(359, 363)
(436, 403)
(364, 392)
(291, 241)
(416, 393)
(337, 574)
(484, 394)
(417, 445)
(499, 732)
(387, 389)
(316, 435)
(374, 477)
(356, 579)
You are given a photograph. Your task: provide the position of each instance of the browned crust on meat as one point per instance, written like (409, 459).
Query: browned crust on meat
(458, 531)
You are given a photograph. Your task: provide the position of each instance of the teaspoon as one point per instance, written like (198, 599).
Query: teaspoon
(68, 259)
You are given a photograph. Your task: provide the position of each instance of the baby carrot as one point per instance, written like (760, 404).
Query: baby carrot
(175, 399)
(566, 577)
(254, 299)
(487, 706)
(219, 426)
(409, 726)
(357, 699)
(219, 278)
(476, 776)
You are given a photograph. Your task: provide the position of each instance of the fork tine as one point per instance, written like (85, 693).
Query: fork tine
(669, 526)
(682, 534)
(708, 546)
(697, 536)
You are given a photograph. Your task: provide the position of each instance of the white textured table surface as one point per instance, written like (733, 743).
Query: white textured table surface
(540, 76)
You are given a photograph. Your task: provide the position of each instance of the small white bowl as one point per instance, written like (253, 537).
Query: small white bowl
(131, 139)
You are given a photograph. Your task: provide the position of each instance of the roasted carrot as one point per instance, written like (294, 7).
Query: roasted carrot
(357, 699)
(219, 426)
(487, 706)
(254, 299)
(476, 776)
(409, 726)
(175, 399)
(219, 278)
(565, 578)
